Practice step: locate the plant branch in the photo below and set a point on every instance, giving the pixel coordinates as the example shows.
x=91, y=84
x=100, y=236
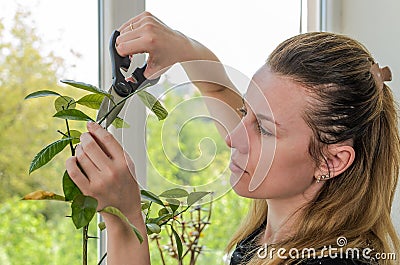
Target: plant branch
x=160, y=250
x=84, y=243
x=175, y=215
x=120, y=102
x=63, y=134
x=102, y=258
x=116, y=105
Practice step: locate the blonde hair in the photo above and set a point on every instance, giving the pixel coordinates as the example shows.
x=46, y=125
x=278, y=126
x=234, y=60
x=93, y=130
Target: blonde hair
x=346, y=105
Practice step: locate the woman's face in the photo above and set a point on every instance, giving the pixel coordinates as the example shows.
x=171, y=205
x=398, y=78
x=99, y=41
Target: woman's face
x=270, y=156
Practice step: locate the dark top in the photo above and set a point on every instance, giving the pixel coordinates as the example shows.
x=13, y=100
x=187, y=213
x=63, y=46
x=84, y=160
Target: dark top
x=246, y=249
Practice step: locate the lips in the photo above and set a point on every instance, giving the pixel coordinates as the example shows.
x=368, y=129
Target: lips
x=234, y=167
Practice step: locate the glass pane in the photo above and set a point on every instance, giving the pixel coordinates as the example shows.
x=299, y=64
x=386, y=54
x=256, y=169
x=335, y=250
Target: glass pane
x=185, y=150
x=41, y=42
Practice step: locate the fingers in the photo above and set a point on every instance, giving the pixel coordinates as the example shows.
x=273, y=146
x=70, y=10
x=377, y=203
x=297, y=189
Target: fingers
x=86, y=163
x=106, y=141
x=90, y=148
x=76, y=174
x=137, y=34
x=138, y=45
x=135, y=20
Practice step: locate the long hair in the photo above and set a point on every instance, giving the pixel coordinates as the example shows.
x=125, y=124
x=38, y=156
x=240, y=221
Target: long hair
x=345, y=104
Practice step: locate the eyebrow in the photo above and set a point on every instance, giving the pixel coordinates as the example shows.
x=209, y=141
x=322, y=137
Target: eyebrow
x=268, y=118
x=262, y=116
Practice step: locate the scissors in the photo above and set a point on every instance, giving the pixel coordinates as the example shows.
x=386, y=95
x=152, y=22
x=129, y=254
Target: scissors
x=121, y=88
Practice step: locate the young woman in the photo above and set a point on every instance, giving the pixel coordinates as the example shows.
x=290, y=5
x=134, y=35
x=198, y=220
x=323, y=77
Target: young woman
x=317, y=148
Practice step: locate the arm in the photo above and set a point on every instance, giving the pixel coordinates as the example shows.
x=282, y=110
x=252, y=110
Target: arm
x=145, y=33
x=110, y=178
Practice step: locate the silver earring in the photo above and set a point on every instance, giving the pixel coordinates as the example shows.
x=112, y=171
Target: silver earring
x=322, y=177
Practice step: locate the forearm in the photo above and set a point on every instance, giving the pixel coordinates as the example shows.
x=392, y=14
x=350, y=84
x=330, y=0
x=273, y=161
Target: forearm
x=123, y=247
x=205, y=69
x=210, y=77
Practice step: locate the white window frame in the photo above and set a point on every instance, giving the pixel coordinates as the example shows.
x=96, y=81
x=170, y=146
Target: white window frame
x=111, y=14
x=321, y=15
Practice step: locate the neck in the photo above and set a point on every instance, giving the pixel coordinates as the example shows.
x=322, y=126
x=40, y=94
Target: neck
x=281, y=217
x=283, y=214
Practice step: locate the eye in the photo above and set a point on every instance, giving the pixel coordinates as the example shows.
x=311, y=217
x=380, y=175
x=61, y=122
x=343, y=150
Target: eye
x=242, y=110
x=263, y=131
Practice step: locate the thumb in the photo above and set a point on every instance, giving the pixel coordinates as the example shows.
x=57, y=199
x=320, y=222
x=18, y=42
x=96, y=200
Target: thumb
x=151, y=68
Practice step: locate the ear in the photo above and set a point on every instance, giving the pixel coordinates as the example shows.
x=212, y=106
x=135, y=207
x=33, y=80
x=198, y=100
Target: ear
x=339, y=158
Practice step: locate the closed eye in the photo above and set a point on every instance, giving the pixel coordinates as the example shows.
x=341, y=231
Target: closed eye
x=262, y=130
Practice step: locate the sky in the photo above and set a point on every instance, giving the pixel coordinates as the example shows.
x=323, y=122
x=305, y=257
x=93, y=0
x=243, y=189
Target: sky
x=241, y=33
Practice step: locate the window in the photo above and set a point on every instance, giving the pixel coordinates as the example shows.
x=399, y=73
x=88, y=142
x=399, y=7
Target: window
x=41, y=42
x=186, y=150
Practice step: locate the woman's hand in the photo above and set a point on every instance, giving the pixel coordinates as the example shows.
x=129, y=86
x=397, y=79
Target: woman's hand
x=109, y=174
x=147, y=34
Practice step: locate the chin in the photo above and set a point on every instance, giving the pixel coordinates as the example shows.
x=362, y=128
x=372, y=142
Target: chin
x=241, y=187
x=240, y=184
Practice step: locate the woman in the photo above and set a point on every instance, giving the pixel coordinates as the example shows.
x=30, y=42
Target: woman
x=317, y=148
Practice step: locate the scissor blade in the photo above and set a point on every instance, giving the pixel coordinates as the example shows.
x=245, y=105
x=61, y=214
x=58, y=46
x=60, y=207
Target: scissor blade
x=114, y=114
x=107, y=105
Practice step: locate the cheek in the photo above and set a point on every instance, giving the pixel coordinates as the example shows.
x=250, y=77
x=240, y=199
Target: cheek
x=292, y=170
x=282, y=172
x=258, y=164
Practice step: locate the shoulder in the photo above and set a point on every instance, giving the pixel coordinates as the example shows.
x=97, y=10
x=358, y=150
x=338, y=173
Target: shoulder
x=333, y=261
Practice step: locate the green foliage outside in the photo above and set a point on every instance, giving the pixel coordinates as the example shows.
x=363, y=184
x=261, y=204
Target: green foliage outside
x=29, y=236
x=38, y=232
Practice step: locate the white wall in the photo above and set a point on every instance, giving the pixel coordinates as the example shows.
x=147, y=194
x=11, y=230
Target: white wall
x=376, y=24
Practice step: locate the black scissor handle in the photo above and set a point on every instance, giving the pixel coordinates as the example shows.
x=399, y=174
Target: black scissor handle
x=121, y=86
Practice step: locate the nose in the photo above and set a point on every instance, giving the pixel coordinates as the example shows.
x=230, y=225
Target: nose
x=238, y=138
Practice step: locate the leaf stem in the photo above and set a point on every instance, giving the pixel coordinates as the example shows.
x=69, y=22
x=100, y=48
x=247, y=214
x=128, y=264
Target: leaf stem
x=70, y=141
x=102, y=258
x=148, y=212
x=63, y=134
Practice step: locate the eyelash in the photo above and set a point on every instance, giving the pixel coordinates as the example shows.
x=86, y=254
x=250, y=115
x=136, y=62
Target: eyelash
x=260, y=129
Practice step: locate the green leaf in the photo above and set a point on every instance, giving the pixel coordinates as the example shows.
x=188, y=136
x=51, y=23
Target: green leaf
x=83, y=210
x=120, y=123
x=145, y=205
x=152, y=103
x=69, y=187
x=86, y=87
x=161, y=218
x=148, y=195
x=173, y=204
x=42, y=93
x=153, y=228
x=72, y=114
x=174, y=193
x=178, y=243
x=117, y=212
x=101, y=226
x=163, y=211
x=75, y=135
x=195, y=197
x=47, y=153
x=43, y=195
x=92, y=101
x=64, y=102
